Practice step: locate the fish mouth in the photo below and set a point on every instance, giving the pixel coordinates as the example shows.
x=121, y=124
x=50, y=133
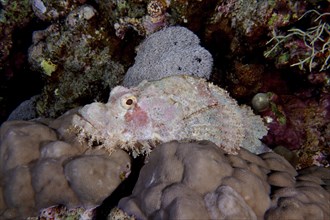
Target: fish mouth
x=84, y=120
x=86, y=131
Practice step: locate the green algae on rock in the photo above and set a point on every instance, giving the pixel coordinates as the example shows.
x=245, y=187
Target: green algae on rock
x=77, y=60
x=13, y=14
x=50, y=10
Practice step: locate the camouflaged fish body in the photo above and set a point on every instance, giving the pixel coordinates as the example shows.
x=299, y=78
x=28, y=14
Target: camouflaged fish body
x=173, y=108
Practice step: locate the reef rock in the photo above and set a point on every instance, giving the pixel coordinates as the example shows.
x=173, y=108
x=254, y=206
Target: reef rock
x=174, y=108
x=25, y=111
x=200, y=181
x=49, y=10
x=171, y=51
x=38, y=169
x=75, y=59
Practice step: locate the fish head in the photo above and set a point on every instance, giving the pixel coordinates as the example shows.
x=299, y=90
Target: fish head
x=119, y=121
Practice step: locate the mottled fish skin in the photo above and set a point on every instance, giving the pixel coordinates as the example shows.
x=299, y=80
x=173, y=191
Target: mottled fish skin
x=174, y=108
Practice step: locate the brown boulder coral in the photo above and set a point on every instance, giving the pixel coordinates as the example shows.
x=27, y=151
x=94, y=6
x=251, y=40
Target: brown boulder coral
x=200, y=181
x=39, y=169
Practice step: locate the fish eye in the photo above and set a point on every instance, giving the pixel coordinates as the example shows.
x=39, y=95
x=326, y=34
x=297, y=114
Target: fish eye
x=128, y=101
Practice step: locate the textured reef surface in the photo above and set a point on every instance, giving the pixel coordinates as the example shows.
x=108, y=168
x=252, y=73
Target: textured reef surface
x=43, y=165
x=171, y=51
x=199, y=181
x=59, y=55
x=41, y=168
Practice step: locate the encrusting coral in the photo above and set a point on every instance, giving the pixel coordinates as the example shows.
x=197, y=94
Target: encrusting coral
x=155, y=19
x=13, y=15
x=75, y=60
x=178, y=107
x=170, y=51
x=299, y=122
x=39, y=169
x=49, y=10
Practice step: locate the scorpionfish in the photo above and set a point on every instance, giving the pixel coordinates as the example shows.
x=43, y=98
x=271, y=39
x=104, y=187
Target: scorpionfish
x=179, y=108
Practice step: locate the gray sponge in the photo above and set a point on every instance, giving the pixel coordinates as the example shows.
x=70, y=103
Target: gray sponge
x=26, y=110
x=171, y=51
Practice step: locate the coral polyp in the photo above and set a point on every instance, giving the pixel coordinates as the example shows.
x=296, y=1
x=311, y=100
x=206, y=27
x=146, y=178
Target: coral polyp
x=156, y=10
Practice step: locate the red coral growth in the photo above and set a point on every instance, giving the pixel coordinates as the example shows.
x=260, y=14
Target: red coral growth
x=300, y=122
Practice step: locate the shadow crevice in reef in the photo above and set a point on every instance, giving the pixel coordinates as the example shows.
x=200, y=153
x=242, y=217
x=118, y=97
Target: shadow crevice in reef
x=123, y=190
